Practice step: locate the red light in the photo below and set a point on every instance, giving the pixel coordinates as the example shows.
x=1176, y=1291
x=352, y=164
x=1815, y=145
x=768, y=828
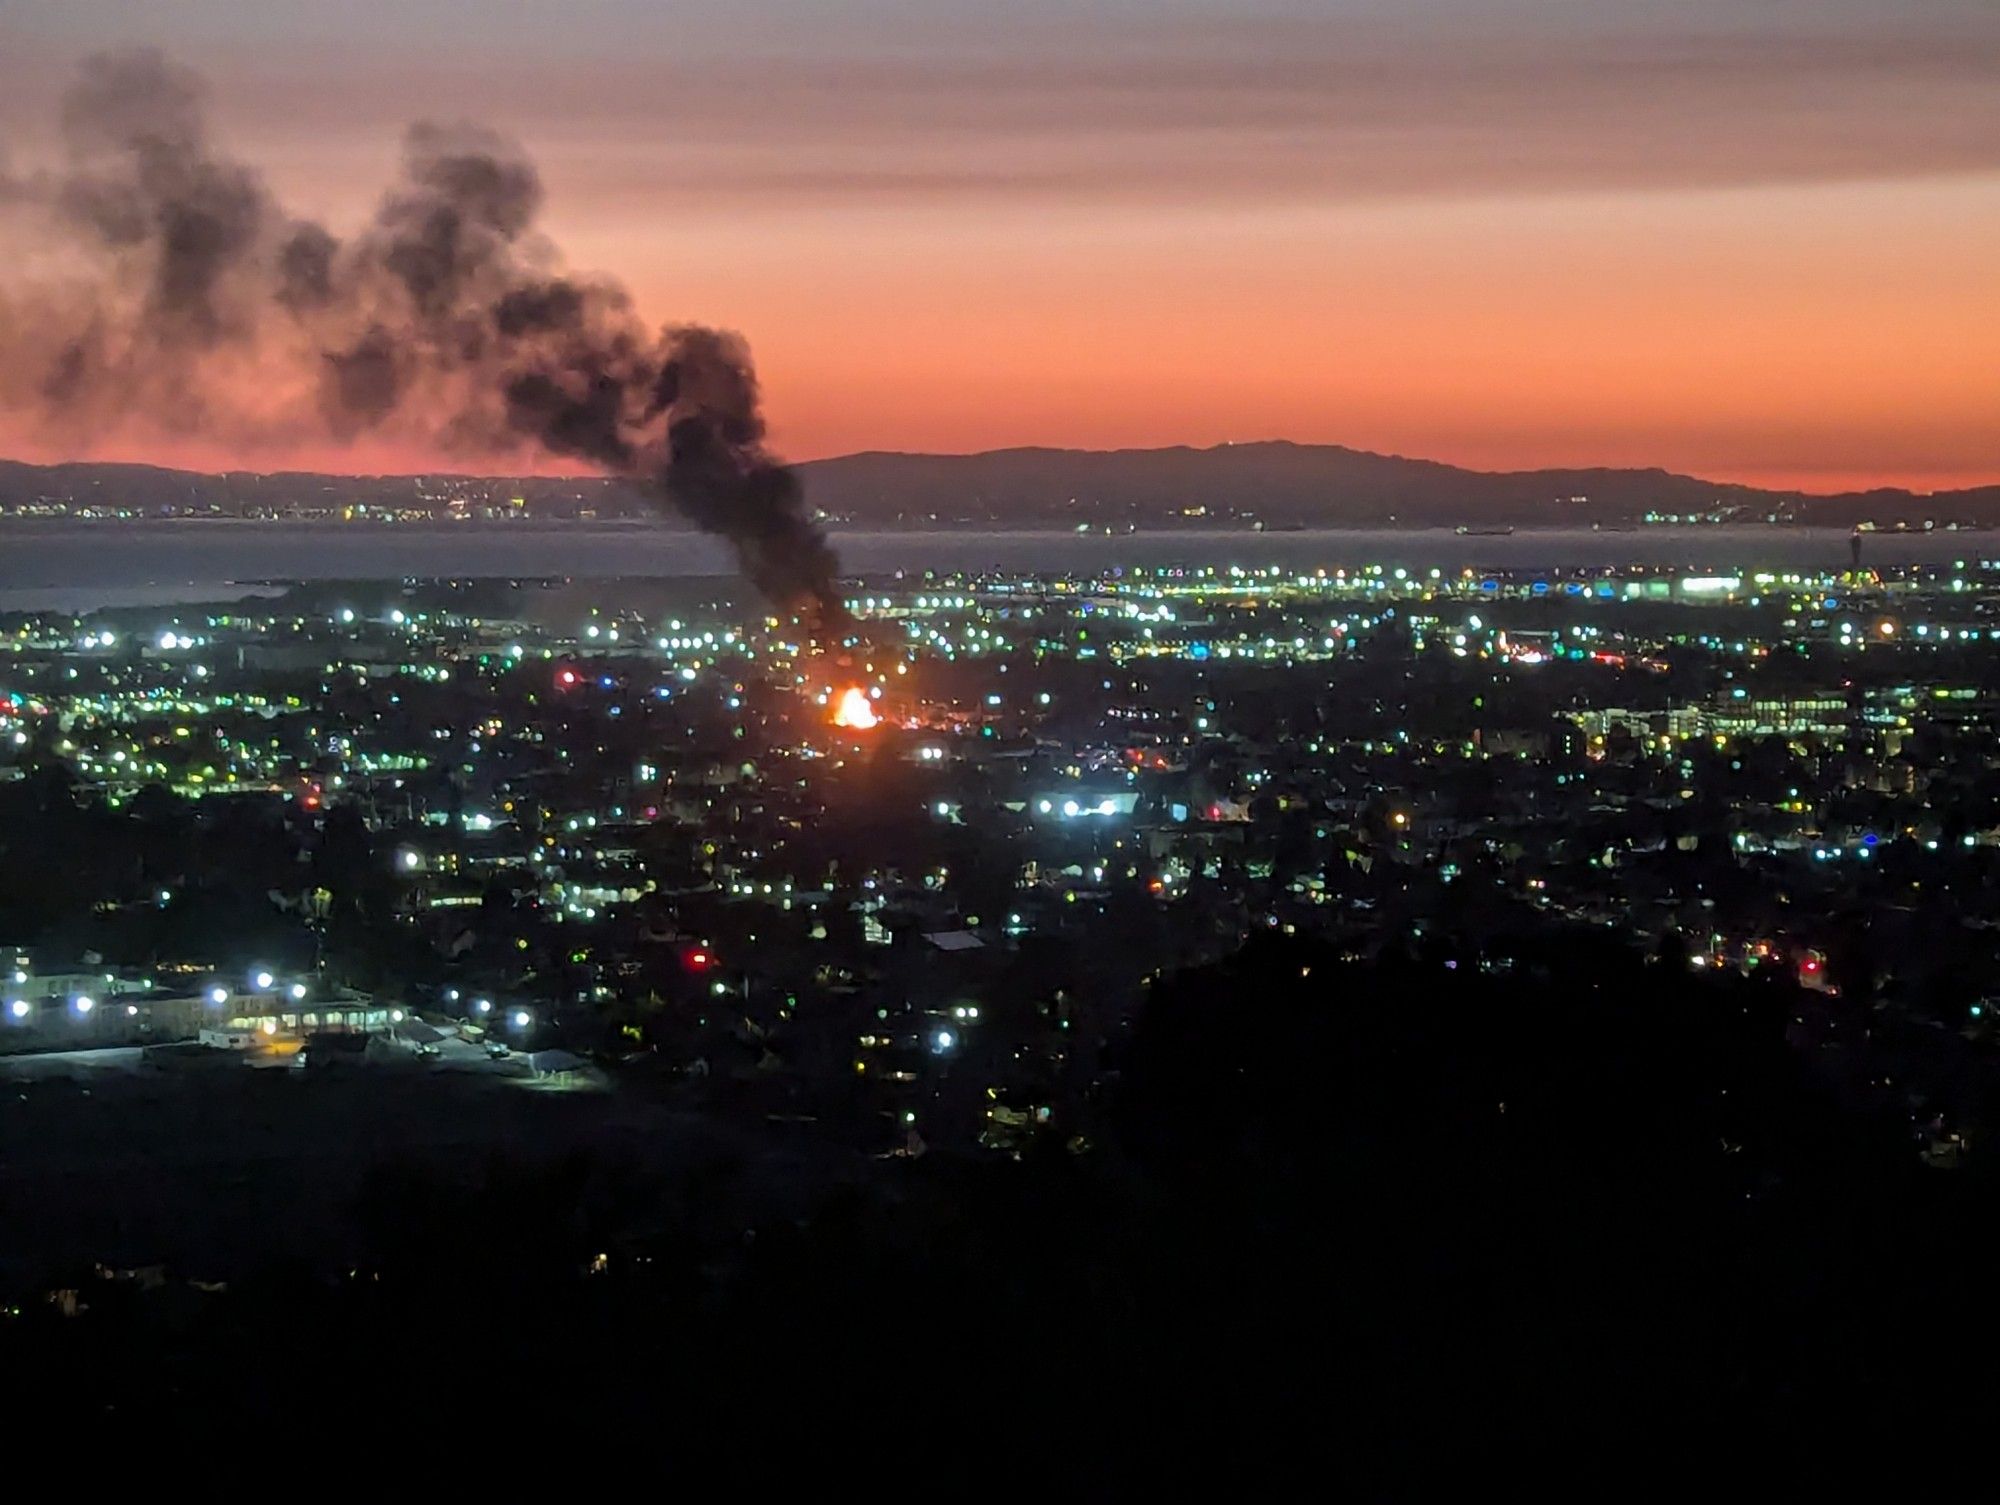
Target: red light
x=700, y=961
x=1812, y=966
x=566, y=678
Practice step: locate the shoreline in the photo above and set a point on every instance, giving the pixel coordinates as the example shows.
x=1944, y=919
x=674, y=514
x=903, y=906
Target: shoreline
x=500, y=527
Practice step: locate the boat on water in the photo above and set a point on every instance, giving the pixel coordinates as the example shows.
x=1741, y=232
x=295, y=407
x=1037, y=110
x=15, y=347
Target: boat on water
x=1465, y=532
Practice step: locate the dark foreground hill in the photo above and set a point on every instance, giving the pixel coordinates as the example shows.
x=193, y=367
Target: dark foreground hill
x=1366, y=1221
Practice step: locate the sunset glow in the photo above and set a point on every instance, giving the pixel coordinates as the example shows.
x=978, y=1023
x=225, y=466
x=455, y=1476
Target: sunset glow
x=1744, y=241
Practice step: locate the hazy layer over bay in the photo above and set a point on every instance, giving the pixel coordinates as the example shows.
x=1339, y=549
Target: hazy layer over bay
x=76, y=566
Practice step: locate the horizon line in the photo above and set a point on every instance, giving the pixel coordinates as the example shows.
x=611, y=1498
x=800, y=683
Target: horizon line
x=1774, y=489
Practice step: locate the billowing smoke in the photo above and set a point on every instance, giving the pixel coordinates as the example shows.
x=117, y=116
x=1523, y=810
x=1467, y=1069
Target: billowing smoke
x=183, y=300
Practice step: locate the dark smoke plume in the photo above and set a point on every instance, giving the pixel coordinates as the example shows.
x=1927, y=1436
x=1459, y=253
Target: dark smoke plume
x=191, y=302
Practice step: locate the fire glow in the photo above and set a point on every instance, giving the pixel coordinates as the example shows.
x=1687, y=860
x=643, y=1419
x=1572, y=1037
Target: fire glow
x=853, y=711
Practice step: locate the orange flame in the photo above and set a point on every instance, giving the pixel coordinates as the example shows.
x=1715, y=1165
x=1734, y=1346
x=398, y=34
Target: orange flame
x=853, y=710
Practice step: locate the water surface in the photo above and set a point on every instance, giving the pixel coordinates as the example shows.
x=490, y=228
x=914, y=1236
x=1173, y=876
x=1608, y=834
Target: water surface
x=77, y=566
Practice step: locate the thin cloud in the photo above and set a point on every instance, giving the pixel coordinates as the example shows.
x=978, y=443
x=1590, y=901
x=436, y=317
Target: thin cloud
x=1302, y=110
x=1180, y=103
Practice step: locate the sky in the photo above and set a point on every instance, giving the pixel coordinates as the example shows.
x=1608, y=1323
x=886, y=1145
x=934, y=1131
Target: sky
x=1748, y=239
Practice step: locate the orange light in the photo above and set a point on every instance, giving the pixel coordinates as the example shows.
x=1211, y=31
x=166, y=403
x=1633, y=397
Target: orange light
x=853, y=710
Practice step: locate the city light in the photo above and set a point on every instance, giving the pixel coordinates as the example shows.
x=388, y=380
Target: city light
x=1116, y=790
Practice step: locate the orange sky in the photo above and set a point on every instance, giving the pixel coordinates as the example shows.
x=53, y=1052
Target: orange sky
x=1760, y=254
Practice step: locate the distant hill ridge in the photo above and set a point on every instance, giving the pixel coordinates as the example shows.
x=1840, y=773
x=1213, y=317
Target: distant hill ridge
x=1275, y=482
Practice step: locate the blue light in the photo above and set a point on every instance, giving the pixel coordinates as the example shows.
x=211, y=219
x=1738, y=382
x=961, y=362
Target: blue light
x=1197, y=650
x=1539, y=588
x=1871, y=839
x=1491, y=587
